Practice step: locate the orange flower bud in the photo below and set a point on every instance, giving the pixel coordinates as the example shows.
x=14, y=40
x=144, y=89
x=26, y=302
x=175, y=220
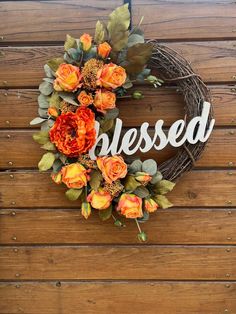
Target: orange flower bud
x=86, y=210
x=57, y=177
x=130, y=205
x=150, y=205
x=104, y=50
x=86, y=41
x=100, y=199
x=143, y=177
x=52, y=111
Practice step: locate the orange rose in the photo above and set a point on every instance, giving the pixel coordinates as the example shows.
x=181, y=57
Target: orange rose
x=74, y=176
x=130, y=205
x=85, y=99
x=100, y=199
x=143, y=177
x=86, y=41
x=112, y=168
x=111, y=76
x=150, y=205
x=52, y=111
x=68, y=78
x=74, y=133
x=104, y=50
x=104, y=100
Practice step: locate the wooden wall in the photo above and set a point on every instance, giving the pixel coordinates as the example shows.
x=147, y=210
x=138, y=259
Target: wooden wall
x=51, y=260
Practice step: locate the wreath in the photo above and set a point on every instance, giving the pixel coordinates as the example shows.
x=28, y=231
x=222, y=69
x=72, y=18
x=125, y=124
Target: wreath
x=77, y=103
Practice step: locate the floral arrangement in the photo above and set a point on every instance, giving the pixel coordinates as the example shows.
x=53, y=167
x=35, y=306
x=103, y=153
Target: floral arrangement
x=82, y=88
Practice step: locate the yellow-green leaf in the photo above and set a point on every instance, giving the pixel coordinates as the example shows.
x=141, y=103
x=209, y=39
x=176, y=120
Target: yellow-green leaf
x=105, y=214
x=162, y=201
x=95, y=179
x=163, y=187
x=100, y=33
x=138, y=56
x=131, y=183
x=54, y=63
x=55, y=100
x=49, y=146
x=41, y=137
x=73, y=194
x=118, y=27
x=46, y=161
x=70, y=42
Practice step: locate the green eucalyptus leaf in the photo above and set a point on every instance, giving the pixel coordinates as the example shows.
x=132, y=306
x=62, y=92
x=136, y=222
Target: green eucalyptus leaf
x=37, y=120
x=49, y=80
x=112, y=114
x=162, y=201
x=149, y=166
x=41, y=137
x=141, y=191
x=46, y=88
x=57, y=165
x=43, y=101
x=118, y=24
x=70, y=42
x=95, y=179
x=135, y=166
x=46, y=161
x=135, y=39
x=105, y=214
x=163, y=187
x=156, y=178
x=74, y=54
x=69, y=98
x=73, y=194
x=106, y=125
x=144, y=218
x=48, y=71
x=43, y=113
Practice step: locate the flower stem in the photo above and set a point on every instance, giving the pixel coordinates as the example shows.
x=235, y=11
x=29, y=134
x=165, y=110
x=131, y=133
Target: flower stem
x=137, y=223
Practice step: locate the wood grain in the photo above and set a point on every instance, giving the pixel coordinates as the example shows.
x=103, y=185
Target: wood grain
x=23, y=67
x=220, y=151
x=118, y=263
x=32, y=21
x=180, y=19
x=18, y=107
x=169, y=226
x=118, y=297
x=195, y=189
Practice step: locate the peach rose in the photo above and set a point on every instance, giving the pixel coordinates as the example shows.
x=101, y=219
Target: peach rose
x=104, y=50
x=111, y=76
x=112, y=168
x=100, y=199
x=130, y=205
x=150, y=205
x=85, y=99
x=56, y=177
x=86, y=41
x=68, y=78
x=74, y=176
x=104, y=100
x=143, y=177
x=52, y=111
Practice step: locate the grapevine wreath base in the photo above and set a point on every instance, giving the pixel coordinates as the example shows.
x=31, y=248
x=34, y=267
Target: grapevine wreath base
x=78, y=110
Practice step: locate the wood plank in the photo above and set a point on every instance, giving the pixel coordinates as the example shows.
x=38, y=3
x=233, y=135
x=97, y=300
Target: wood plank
x=18, y=107
x=32, y=21
x=118, y=262
x=118, y=297
x=169, y=226
x=22, y=66
x=180, y=19
x=194, y=189
x=220, y=150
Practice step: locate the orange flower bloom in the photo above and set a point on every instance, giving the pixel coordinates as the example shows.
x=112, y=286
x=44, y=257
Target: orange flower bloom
x=68, y=78
x=111, y=76
x=85, y=99
x=74, y=176
x=143, y=177
x=130, y=205
x=74, y=133
x=100, y=199
x=104, y=99
x=104, y=50
x=150, y=205
x=86, y=41
x=112, y=168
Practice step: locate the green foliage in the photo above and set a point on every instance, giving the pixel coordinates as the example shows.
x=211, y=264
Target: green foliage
x=112, y=114
x=142, y=236
x=73, y=194
x=48, y=71
x=95, y=179
x=141, y=191
x=45, y=88
x=49, y=146
x=135, y=39
x=149, y=166
x=36, y=121
x=131, y=183
x=41, y=137
x=100, y=33
x=162, y=201
x=69, y=98
x=46, y=161
x=137, y=57
x=156, y=178
x=163, y=187
x=69, y=43
x=117, y=26
x=43, y=101
x=54, y=63
x=135, y=166
x=106, y=125
x=105, y=214
x=54, y=100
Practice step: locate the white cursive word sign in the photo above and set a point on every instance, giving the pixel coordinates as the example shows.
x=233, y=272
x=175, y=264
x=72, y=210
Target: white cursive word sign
x=132, y=140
